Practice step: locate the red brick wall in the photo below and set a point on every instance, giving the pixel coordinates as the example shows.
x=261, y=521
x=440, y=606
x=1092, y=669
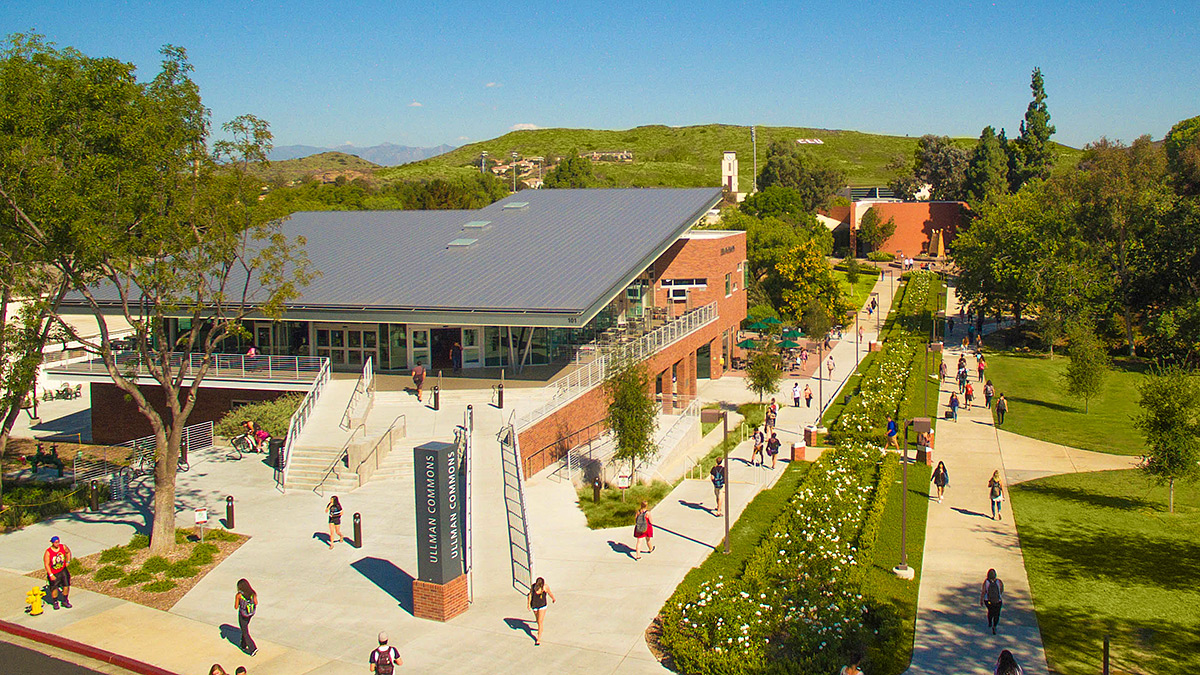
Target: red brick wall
x=440, y=602
x=915, y=221
x=116, y=420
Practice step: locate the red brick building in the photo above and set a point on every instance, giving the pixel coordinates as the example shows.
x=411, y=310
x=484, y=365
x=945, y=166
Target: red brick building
x=922, y=228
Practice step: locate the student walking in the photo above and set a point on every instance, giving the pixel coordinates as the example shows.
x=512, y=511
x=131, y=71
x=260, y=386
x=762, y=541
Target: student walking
x=55, y=561
x=246, y=603
x=991, y=596
x=1007, y=665
x=334, y=510
x=829, y=365
x=537, y=602
x=962, y=379
x=989, y=392
x=808, y=396
x=385, y=658
x=717, y=476
x=941, y=478
x=643, y=528
x=954, y=406
x=893, y=433
x=796, y=394
x=773, y=448
x=996, y=492
x=968, y=396
x=981, y=366
x=942, y=372
x=1001, y=408
x=759, y=440
x=418, y=378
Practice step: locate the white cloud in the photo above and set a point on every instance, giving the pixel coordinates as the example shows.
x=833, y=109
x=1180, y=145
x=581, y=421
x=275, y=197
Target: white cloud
x=489, y=85
x=464, y=138
x=523, y=126
x=415, y=104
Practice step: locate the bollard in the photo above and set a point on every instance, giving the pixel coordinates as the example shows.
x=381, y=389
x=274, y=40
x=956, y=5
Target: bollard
x=357, y=531
x=470, y=418
x=596, y=489
x=229, y=512
x=500, y=396
x=437, y=398
x=93, y=496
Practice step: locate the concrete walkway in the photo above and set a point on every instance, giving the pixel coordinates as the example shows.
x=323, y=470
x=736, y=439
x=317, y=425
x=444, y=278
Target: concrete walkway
x=962, y=542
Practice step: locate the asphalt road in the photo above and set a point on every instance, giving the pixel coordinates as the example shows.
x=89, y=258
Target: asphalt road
x=18, y=660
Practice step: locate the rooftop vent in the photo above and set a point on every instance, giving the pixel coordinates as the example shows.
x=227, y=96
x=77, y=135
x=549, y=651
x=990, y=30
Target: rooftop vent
x=516, y=205
x=461, y=242
x=476, y=224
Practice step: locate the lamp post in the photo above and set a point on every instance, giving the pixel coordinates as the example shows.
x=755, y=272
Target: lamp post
x=856, y=340
x=514, y=168
x=878, y=311
x=483, y=161
x=820, y=382
x=902, y=570
x=725, y=463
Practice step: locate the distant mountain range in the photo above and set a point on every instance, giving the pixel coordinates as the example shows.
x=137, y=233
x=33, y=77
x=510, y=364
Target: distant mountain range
x=385, y=154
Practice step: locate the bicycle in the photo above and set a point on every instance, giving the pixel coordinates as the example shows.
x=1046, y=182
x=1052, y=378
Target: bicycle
x=240, y=446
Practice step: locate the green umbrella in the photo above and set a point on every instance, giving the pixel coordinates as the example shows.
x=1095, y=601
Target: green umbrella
x=770, y=320
x=792, y=333
x=747, y=344
x=758, y=326
x=788, y=344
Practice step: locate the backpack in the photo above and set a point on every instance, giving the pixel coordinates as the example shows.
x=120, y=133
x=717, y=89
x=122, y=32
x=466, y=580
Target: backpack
x=384, y=663
x=639, y=523
x=993, y=591
x=718, y=479
x=249, y=605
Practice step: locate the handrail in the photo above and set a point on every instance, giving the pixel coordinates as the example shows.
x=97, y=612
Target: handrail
x=387, y=435
x=364, y=387
x=265, y=367
x=575, y=383
x=342, y=457
x=297, y=421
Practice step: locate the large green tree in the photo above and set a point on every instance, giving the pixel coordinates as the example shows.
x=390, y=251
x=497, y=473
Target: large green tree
x=1170, y=422
x=987, y=172
x=572, y=171
x=1088, y=364
x=1183, y=155
x=809, y=277
x=114, y=180
x=942, y=164
x=632, y=414
x=873, y=230
x=815, y=179
x=1031, y=154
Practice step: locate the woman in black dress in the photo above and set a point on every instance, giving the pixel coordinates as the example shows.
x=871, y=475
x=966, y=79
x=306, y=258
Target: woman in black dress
x=334, y=509
x=941, y=478
x=537, y=602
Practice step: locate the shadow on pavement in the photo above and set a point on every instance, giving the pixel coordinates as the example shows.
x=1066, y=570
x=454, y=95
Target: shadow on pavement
x=232, y=634
x=522, y=624
x=389, y=578
x=619, y=547
x=695, y=505
x=969, y=512
x=684, y=536
x=323, y=537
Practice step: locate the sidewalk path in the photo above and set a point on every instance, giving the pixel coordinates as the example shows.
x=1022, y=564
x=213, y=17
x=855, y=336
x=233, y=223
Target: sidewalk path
x=962, y=542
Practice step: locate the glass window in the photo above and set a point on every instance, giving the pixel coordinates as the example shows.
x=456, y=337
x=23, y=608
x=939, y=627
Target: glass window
x=322, y=338
x=368, y=339
x=355, y=338
x=337, y=338
x=398, y=352
x=745, y=274
x=728, y=284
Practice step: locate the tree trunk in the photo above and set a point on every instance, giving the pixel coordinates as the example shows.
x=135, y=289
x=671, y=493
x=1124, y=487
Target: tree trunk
x=5, y=430
x=162, y=531
x=1171, y=495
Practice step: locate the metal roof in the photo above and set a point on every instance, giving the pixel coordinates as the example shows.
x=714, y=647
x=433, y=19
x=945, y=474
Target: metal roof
x=566, y=251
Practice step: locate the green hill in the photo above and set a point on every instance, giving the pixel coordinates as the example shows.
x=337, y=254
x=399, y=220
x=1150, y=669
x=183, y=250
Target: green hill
x=681, y=156
x=325, y=162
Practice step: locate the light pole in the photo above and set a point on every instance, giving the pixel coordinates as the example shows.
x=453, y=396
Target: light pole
x=902, y=570
x=878, y=311
x=856, y=340
x=514, y=167
x=725, y=446
x=483, y=162
x=820, y=382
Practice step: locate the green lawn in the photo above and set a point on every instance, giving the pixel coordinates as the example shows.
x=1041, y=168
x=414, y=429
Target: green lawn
x=1105, y=558
x=882, y=584
x=1039, y=407
x=859, y=292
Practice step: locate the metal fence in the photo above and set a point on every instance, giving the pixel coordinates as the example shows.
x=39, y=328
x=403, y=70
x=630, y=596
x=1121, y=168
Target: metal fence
x=240, y=366
x=363, y=397
x=118, y=462
x=575, y=383
x=296, y=423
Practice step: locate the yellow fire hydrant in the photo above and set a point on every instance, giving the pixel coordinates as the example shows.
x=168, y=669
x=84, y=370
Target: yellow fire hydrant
x=34, y=598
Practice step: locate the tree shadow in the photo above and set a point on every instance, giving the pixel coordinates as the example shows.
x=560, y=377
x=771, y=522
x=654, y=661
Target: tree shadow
x=522, y=625
x=1118, y=556
x=1080, y=496
x=389, y=578
x=1044, y=404
x=1156, y=645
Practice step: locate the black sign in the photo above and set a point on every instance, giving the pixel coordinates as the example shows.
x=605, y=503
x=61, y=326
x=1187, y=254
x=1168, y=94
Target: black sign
x=439, y=513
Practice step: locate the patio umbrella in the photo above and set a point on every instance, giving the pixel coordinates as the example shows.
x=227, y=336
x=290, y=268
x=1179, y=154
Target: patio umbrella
x=788, y=344
x=758, y=326
x=747, y=344
x=771, y=321
x=792, y=333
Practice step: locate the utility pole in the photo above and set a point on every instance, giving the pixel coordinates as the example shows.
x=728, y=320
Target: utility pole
x=725, y=445
x=754, y=140
x=514, y=168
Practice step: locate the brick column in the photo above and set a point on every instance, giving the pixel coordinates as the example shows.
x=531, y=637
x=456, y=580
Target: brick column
x=714, y=357
x=668, y=391
x=692, y=361
x=440, y=602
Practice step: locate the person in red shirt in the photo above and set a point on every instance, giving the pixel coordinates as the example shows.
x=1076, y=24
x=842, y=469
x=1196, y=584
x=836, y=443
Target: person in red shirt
x=55, y=560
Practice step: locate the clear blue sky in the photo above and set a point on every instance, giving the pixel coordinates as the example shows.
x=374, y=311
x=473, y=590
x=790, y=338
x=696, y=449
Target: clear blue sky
x=324, y=73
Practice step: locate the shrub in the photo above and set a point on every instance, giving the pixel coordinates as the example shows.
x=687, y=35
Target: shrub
x=270, y=415
x=203, y=554
x=108, y=573
x=160, y=586
x=29, y=504
x=135, y=577
x=880, y=256
x=182, y=569
x=76, y=567
x=156, y=564
x=118, y=555
x=220, y=535
x=138, y=542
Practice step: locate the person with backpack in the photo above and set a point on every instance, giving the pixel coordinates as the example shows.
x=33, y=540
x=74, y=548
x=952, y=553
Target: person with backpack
x=643, y=528
x=991, y=596
x=989, y=392
x=968, y=396
x=996, y=492
x=759, y=440
x=385, y=658
x=717, y=476
x=537, y=602
x=773, y=448
x=941, y=478
x=1001, y=408
x=246, y=603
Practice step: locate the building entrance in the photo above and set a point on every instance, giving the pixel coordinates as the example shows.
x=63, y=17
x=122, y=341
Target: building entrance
x=348, y=345
x=441, y=340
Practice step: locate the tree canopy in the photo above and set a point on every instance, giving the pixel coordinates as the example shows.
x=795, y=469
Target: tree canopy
x=1031, y=154
x=814, y=179
x=873, y=230
x=987, y=171
x=572, y=172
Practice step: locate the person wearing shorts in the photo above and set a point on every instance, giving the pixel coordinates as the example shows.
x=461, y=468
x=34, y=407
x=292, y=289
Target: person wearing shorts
x=773, y=448
x=717, y=476
x=334, y=509
x=55, y=560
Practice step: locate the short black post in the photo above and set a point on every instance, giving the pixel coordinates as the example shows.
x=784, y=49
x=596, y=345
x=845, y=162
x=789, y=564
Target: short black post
x=500, y=396
x=93, y=496
x=1106, y=646
x=183, y=451
x=229, y=512
x=437, y=398
x=357, y=531
x=596, y=489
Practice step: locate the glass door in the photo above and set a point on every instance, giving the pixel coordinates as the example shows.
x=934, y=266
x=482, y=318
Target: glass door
x=472, y=356
x=348, y=345
x=419, y=340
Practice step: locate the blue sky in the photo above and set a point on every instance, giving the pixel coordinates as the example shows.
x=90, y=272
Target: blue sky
x=324, y=73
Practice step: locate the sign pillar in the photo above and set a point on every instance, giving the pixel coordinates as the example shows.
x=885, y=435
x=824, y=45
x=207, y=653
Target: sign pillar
x=440, y=589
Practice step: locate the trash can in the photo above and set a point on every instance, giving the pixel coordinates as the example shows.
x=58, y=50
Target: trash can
x=798, y=451
x=275, y=453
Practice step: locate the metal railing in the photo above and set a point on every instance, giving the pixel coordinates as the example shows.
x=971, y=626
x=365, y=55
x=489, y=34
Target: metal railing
x=520, y=540
x=136, y=453
x=369, y=464
x=572, y=385
x=343, y=458
x=296, y=423
x=685, y=430
x=221, y=366
x=365, y=387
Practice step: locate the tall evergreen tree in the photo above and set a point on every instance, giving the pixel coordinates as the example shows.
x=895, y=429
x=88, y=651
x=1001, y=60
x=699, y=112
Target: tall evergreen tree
x=987, y=173
x=1031, y=153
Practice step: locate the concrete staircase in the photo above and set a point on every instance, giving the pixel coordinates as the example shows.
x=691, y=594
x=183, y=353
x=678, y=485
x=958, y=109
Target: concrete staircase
x=322, y=442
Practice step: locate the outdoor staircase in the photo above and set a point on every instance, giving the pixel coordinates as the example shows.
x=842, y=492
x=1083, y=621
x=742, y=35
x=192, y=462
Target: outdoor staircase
x=322, y=441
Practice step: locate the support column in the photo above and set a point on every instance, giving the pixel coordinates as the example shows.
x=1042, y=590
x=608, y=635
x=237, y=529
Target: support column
x=692, y=374
x=668, y=391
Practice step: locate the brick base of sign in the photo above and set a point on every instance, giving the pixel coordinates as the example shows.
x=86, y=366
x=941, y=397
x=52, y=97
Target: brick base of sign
x=440, y=602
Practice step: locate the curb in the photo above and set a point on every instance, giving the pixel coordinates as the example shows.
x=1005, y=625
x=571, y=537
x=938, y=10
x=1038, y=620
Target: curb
x=82, y=649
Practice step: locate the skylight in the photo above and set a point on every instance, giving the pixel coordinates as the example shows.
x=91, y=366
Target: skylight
x=516, y=205
x=461, y=242
x=476, y=224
